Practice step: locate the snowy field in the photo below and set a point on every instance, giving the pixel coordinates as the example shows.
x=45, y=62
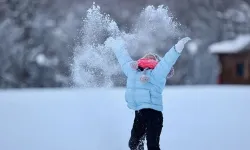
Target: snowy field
x=195, y=118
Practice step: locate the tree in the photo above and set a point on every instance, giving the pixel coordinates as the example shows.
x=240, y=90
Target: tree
x=35, y=45
x=208, y=21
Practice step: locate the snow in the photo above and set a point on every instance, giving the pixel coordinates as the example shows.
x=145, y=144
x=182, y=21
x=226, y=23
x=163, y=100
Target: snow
x=231, y=46
x=192, y=47
x=151, y=28
x=195, y=118
x=42, y=60
x=236, y=15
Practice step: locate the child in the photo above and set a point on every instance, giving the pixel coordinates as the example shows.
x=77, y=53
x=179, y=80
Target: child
x=146, y=79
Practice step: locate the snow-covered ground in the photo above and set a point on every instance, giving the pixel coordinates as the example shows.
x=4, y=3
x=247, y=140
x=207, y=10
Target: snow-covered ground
x=195, y=118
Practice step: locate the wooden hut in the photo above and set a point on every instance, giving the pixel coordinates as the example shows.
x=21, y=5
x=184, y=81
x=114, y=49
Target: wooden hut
x=234, y=57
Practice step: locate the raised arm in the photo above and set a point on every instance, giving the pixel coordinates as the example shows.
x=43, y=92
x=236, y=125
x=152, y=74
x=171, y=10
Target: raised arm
x=123, y=57
x=164, y=66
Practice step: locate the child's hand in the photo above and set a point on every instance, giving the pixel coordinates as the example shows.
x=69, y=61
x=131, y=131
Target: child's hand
x=180, y=45
x=109, y=42
x=114, y=43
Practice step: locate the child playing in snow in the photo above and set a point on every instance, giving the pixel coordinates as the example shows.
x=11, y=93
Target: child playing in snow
x=146, y=79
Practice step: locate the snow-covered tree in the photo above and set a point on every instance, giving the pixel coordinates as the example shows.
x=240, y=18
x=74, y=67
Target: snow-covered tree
x=37, y=37
x=207, y=21
x=36, y=42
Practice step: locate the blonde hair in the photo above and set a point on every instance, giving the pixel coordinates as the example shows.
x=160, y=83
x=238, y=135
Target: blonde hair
x=152, y=55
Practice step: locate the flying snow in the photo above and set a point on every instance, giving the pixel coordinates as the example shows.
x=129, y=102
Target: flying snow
x=94, y=64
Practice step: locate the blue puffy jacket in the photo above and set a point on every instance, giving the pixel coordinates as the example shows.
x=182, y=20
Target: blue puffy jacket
x=148, y=94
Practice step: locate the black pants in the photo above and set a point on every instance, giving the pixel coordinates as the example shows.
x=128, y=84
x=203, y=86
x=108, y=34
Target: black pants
x=147, y=124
